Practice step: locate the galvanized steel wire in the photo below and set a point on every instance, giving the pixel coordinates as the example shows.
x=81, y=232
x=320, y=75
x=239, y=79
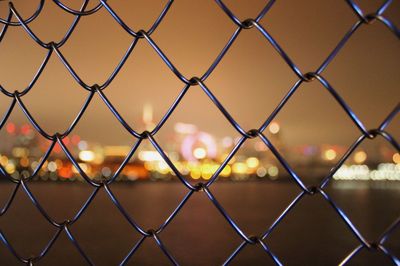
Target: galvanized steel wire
x=260, y=239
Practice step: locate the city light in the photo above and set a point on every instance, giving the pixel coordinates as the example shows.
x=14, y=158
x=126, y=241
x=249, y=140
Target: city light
x=24, y=162
x=396, y=158
x=26, y=129
x=3, y=160
x=86, y=156
x=261, y=172
x=207, y=170
x=384, y=171
x=163, y=167
x=11, y=128
x=34, y=165
x=85, y=168
x=20, y=152
x=330, y=154
x=239, y=168
x=360, y=157
x=199, y=153
x=52, y=166
x=195, y=173
x=252, y=162
x=191, y=141
x=226, y=171
x=274, y=128
x=194, y=154
x=149, y=156
x=273, y=171
x=10, y=167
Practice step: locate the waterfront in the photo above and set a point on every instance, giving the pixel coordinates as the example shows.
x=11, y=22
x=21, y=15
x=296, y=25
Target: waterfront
x=312, y=234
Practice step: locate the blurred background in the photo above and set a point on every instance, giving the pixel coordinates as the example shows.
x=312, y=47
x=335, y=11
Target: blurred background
x=312, y=131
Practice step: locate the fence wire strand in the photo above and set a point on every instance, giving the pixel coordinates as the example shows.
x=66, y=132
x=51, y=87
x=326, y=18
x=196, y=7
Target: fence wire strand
x=53, y=49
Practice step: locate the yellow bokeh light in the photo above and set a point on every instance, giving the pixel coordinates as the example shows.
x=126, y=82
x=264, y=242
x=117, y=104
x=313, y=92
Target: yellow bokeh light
x=252, y=162
x=226, y=171
x=207, y=170
x=85, y=168
x=206, y=175
x=20, y=152
x=396, y=158
x=163, y=168
x=149, y=166
x=274, y=128
x=239, y=168
x=3, y=160
x=86, y=156
x=195, y=173
x=10, y=168
x=330, y=154
x=273, y=171
x=360, y=157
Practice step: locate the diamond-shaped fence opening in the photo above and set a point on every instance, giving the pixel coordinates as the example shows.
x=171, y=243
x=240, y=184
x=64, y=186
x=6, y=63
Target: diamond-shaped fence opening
x=64, y=143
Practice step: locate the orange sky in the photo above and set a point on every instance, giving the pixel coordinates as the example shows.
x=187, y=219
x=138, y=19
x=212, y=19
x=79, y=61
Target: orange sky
x=250, y=81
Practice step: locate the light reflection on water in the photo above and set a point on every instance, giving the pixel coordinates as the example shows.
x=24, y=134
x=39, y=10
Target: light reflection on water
x=357, y=185
x=312, y=234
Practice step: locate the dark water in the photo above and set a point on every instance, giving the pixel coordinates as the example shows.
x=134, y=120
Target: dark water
x=312, y=234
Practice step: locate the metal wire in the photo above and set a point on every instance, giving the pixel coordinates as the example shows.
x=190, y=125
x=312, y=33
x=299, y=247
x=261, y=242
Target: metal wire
x=53, y=47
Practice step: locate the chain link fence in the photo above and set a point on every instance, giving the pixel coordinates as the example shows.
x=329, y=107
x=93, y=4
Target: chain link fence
x=14, y=19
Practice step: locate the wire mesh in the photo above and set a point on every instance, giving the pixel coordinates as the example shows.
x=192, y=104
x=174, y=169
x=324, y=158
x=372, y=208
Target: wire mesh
x=53, y=49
